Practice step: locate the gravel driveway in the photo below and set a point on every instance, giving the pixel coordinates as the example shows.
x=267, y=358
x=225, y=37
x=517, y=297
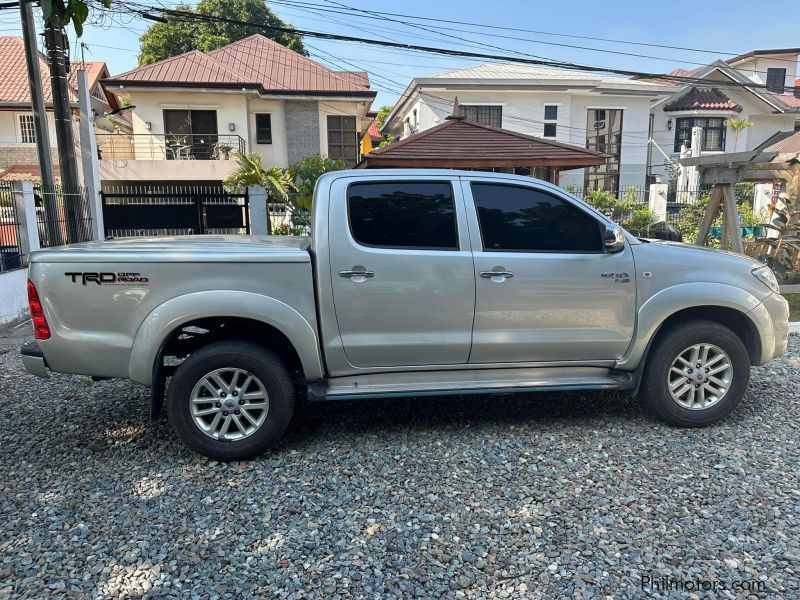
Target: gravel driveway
x=555, y=495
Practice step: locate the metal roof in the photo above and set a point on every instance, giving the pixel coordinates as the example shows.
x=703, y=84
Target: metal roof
x=702, y=99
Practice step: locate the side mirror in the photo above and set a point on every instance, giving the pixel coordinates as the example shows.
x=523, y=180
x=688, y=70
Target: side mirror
x=613, y=238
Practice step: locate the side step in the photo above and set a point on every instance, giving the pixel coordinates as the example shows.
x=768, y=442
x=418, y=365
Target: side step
x=473, y=381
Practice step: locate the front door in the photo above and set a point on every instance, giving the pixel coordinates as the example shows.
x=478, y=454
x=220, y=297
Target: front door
x=546, y=290
x=401, y=272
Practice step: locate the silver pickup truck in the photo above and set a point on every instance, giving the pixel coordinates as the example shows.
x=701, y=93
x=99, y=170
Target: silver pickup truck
x=413, y=283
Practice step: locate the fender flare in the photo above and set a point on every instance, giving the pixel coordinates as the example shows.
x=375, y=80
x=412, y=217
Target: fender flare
x=669, y=301
x=163, y=320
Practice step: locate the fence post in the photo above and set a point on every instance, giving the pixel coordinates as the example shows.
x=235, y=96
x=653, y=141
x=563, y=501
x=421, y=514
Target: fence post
x=25, y=207
x=259, y=212
x=658, y=200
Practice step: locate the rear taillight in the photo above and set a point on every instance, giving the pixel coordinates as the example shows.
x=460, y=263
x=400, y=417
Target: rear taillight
x=41, y=330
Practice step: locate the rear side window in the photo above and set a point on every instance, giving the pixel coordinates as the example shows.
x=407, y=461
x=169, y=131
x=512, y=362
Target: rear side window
x=403, y=214
x=521, y=219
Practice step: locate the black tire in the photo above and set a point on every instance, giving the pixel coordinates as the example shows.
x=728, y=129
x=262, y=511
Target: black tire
x=258, y=361
x=655, y=389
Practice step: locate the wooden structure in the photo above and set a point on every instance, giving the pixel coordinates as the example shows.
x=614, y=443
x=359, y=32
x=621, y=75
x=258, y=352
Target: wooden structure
x=461, y=144
x=776, y=160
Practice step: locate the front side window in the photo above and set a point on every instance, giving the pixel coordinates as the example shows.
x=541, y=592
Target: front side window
x=398, y=214
x=712, y=138
x=343, y=139
x=487, y=115
x=27, y=129
x=521, y=219
x=263, y=128
x=776, y=80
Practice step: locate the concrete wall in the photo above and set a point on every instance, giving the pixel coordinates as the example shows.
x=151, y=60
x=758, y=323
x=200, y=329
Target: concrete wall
x=13, y=296
x=523, y=111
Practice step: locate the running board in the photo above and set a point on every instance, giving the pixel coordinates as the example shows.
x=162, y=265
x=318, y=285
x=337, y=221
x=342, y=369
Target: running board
x=472, y=381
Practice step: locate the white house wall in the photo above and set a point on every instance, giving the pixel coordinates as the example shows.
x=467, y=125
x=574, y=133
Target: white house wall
x=275, y=154
x=523, y=111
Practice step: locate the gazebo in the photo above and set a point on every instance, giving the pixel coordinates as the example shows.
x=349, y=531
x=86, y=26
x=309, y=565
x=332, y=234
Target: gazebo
x=461, y=144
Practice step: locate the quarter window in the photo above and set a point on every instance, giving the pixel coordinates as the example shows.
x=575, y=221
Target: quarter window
x=343, y=139
x=487, y=115
x=27, y=129
x=412, y=215
x=263, y=128
x=521, y=219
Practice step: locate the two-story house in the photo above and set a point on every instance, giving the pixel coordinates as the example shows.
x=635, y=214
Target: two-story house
x=18, y=156
x=194, y=110
x=603, y=113
x=756, y=86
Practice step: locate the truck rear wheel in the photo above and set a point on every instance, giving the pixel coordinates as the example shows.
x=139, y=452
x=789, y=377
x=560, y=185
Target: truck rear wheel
x=231, y=400
x=696, y=374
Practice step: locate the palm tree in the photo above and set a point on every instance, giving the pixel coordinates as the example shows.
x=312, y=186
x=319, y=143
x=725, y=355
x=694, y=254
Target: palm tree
x=250, y=171
x=738, y=126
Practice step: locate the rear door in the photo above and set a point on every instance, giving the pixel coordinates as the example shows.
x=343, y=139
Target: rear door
x=546, y=289
x=401, y=271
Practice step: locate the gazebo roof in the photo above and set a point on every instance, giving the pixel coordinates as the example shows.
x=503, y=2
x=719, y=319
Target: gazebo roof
x=461, y=144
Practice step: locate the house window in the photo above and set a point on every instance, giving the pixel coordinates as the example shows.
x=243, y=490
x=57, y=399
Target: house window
x=263, y=128
x=550, y=120
x=343, y=139
x=487, y=115
x=604, y=134
x=713, y=136
x=776, y=80
x=190, y=134
x=27, y=129
x=403, y=214
x=797, y=125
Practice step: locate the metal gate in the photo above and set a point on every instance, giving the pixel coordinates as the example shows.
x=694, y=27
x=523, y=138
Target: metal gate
x=153, y=210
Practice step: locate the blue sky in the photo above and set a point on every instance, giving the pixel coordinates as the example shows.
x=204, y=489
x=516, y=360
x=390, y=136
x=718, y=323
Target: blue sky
x=734, y=27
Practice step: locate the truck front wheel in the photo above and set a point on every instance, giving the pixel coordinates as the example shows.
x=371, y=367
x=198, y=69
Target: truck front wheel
x=696, y=374
x=231, y=400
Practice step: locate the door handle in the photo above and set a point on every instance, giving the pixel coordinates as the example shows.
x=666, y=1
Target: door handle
x=497, y=276
x=356, y=275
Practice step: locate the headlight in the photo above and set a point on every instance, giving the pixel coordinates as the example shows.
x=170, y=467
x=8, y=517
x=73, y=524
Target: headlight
x=767, y=277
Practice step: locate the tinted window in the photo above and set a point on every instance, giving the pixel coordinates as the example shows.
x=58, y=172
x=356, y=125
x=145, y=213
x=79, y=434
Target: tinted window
x=263, y=128
x=403, y=215
x=521, y=219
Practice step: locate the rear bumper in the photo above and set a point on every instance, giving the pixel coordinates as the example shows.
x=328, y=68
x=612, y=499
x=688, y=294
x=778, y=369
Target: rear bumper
x=33, y=360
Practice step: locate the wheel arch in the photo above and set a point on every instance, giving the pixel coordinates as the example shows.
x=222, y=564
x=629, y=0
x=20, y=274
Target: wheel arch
x=254, y=317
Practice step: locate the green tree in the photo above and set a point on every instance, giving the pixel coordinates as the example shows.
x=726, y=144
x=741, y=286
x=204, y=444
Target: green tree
x=250, y=171
x=383, y=114
x=177, y=35
x=738, y=126
x=61, y=14
x=304, y=174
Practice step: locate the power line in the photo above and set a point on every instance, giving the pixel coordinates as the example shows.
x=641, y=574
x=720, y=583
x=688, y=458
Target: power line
x=184, y=15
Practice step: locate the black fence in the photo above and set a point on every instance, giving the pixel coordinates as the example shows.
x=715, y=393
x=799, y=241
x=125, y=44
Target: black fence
x=10, y=250
x=63, y=214
x=153, y=210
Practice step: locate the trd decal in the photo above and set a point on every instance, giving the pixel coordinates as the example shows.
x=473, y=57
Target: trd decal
x=108, y=278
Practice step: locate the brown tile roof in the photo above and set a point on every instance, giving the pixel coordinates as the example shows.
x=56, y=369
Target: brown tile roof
x=25, y=173
x=783, y=142
x=702, y=99
x=254, y=61
x=459, y=143
x=14, y=87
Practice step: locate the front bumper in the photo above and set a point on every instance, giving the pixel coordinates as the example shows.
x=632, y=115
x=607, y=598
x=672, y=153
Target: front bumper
x=772, y=321
x=33, y=360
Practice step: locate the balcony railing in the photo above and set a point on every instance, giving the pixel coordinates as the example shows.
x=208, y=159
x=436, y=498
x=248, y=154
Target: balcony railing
x=120, y=146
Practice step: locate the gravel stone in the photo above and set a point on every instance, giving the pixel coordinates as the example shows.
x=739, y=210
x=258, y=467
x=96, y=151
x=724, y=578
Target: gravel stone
x=574, y=495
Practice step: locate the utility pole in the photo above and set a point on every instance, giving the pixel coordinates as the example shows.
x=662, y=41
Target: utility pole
x=40, y=122
x=57, y=52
